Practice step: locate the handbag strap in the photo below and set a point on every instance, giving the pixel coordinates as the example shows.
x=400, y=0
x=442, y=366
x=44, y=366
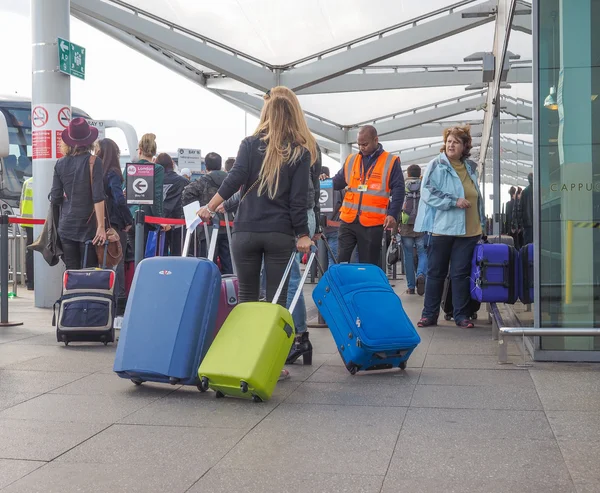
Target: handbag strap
x=252, y=187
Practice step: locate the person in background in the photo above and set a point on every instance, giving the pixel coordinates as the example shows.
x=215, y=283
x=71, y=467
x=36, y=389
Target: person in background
x=203, y=190
x=26, y=209
x=373, y=199
x=229, y=164
x=525, y=212
x=273, y=167
x=510, y=212
x=81, y=212
x=119, y=215
x=146, y=154
x=330, y=231
x=302, y=345
x=517, y=220
x=186, y=173
x=451, y=208
x=173, y=186
x=411, y=238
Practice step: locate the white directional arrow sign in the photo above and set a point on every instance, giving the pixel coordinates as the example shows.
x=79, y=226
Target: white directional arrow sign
x=140, y=185
x=64, y=46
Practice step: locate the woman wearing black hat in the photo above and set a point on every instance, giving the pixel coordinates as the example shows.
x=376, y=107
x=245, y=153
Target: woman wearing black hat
x=73, y=181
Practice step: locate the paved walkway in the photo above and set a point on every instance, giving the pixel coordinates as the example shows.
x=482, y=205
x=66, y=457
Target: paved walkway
x=455, y=421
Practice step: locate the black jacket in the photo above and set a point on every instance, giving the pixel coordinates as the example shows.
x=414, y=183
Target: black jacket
x=286, y=212
x=525, y=208
x=173, y=186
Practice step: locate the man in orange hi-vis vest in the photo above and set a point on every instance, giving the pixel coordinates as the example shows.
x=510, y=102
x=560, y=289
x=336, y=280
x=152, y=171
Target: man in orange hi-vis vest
x=373, y=200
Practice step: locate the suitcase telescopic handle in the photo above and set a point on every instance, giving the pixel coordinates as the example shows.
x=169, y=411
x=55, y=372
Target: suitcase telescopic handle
x=313, y=252
x=85, y=254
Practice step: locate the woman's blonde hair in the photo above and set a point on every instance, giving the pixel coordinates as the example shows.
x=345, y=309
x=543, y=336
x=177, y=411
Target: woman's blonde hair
x=464, y=135
x=147, y=145
x=283, y=129
x=68, y=150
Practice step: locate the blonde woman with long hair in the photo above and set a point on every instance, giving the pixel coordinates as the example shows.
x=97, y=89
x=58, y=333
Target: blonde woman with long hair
x=272, y=168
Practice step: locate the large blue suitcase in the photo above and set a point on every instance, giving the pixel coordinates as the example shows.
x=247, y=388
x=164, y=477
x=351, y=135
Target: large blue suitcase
x=169, y=320
x=526, y=274
x=494, y=273
x=366, y=318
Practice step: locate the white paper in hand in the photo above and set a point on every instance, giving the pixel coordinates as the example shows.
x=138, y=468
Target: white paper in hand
x=191, y=218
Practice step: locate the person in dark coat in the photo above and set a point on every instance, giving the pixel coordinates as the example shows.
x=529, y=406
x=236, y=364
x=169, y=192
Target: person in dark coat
x=173, y=185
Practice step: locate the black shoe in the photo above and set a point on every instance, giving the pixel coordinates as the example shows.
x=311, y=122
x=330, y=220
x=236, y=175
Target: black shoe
x=421, y=285
x=301, y=347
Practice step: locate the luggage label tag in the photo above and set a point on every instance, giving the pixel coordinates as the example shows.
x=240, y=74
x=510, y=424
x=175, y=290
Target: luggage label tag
x=362, y=187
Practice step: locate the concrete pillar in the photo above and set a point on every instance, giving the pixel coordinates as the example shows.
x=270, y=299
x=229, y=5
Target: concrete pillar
x=345, y=151
x=496, y=172
x=51, y=92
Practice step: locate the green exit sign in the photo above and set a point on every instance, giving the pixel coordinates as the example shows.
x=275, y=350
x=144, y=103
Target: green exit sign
x=71, y=58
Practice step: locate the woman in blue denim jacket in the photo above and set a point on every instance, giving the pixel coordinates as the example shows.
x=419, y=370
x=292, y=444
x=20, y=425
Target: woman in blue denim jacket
x=451, y=209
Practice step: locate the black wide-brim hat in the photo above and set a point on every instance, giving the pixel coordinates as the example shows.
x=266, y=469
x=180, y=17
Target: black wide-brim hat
x=79, y=133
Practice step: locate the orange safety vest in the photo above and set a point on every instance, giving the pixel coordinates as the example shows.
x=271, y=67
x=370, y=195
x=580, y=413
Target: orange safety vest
x=368, y=196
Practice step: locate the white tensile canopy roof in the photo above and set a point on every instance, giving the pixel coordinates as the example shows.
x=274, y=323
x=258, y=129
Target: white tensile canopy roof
x=410, y=68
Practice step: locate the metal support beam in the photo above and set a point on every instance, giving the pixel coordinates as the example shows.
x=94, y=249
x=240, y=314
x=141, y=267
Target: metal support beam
x=316, y=125
x=504, y=18
x=180, y=41
x=396, y=78
x=520, y=108
x=496, y=173
x=423, y=114
x=516, y=147
x=360, y=53
x=165, y=58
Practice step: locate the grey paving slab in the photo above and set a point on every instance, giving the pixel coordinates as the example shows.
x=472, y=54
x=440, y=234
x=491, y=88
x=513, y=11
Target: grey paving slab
x=473, y=457
x=355, y=393
x=333, y=439
x=38, y=339
x=476, y=397
x=38, y=440
x=339, y=374
x=471, y=485
x=470, y=346
x=466, y=361
x=575, y=425
x=482, y=423
x=434, y=376
x=277, y=481
x=14, y=334
x=104, y=384
x=180, y=448
x=35, y=381
x=13, y=470
x=10, y=399
x=95, y=478
x=77, y=408
x=82, y=358
x=582, y=459
x=188, y=408
x=568, y=390
x=13, y=354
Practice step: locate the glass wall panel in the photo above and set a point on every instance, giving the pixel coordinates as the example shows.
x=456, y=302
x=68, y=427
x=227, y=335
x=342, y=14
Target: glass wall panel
x=569, y=158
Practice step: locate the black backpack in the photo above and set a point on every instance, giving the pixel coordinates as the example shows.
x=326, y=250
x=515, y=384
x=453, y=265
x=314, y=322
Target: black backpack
x=410, y=207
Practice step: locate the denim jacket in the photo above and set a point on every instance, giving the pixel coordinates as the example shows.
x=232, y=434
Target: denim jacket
x=440, y=190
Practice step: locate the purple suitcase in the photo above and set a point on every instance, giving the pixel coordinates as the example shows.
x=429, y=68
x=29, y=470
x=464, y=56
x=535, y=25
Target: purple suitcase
x=494, y=274
x=229, y=285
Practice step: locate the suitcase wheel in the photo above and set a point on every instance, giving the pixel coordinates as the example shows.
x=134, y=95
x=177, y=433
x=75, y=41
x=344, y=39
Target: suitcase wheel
x=256, y=399
x=203, y=387
x=244, y=387
x=64, y=339
x=474, y=316
x=136, y=381
x=352, y=370
x=447, y=317
x=402, y=365
x=219, y=394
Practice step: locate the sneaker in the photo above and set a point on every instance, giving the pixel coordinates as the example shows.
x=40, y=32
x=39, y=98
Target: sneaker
x=426, y=322
x=421, y=285
x=466, y=324
x=284, y=375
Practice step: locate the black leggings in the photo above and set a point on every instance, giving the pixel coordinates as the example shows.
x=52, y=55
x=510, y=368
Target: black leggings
x=74, y=253
x=248, y=250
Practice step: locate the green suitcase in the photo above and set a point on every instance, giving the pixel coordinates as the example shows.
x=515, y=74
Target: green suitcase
x=247, y=356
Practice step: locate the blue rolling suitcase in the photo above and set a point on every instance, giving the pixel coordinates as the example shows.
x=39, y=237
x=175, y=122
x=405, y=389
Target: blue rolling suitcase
x=366, y=318
x=169, y=320
x=526, y=274
x=494, y=273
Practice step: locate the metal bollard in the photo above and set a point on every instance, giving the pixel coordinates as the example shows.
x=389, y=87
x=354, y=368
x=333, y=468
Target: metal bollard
x=4, y=274
x=140, y=218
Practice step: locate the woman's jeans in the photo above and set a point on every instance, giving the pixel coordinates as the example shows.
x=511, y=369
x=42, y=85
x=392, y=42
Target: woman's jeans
x=248, y=251
x=408, y=243
x=458, y=252
x=299, y=314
